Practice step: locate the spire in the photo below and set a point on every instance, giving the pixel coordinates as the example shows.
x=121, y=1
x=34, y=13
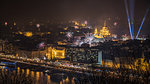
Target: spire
x=95, y=32
x=105, y=31
x=105, y=23
x=14, y=23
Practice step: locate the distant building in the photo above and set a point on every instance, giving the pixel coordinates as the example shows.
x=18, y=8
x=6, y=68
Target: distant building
x=31, y=54
x=56, y=53
x=49, y=52
x=78, y=54
x=104, y=32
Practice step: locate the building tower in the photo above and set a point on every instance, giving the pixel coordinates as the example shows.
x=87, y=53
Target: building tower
x=97, y=35
x=105, y=31
x=95, y=31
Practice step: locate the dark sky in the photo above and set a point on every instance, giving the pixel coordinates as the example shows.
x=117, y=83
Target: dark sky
x=66, y=8
x=95, y=11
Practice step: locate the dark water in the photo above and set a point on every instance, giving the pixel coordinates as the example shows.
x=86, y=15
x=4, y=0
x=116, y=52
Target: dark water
x=39, y=77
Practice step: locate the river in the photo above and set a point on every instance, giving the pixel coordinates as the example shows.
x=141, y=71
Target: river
x=40, y=77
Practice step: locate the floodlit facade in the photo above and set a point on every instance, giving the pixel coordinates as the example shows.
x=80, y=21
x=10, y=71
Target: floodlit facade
x=104, y=32
x=55, y=53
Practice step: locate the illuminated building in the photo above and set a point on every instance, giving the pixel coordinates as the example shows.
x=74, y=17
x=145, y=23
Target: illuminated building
x=58, y=53
x=55, y=53
x=114, y=35
x=85, y=55
x=125, y=37
x=48, y=32
x=96, y=34
x=142, y=64
x=104, y=32
x=48, y=52
x=28, y=34
x=65, y=28
x=76, y=23
x=20, y=32
x=83, y=25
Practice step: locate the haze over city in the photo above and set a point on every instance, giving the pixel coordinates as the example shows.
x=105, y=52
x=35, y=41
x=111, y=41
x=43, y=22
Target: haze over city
x=75, y=42
x=63, y=10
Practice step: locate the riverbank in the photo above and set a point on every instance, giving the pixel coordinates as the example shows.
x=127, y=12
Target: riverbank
x=79, y=72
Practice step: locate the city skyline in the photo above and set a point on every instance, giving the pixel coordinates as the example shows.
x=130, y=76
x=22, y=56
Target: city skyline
x=75, y=42
x=95, y=12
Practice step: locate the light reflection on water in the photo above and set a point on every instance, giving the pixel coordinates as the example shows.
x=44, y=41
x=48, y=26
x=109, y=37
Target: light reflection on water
x=40, y=77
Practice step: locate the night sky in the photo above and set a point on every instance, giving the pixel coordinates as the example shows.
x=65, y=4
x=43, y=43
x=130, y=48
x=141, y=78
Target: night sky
x=95, y=11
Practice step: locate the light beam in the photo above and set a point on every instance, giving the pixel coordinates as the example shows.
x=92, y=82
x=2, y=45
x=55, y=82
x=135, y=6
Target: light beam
x=132, y=16
x=126, y=6
x=142, y=23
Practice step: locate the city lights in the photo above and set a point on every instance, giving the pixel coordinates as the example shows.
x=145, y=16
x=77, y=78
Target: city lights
x=142, y=23
x=28, y=34
x=104, y=32
x=6, y=23
x=37, y=25
x=69, y=42
x=15, y=23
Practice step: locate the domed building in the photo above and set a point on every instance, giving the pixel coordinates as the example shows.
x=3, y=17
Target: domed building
x=104, y=32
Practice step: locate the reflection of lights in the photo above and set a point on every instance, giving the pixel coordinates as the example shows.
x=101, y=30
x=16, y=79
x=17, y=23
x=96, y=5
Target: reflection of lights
x=27, y=72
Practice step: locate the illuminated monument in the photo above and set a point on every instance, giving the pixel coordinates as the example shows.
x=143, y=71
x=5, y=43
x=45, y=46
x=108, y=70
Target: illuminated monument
x=58, y=53
x=104, y=32
x=96, y=34
x=55, y=53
